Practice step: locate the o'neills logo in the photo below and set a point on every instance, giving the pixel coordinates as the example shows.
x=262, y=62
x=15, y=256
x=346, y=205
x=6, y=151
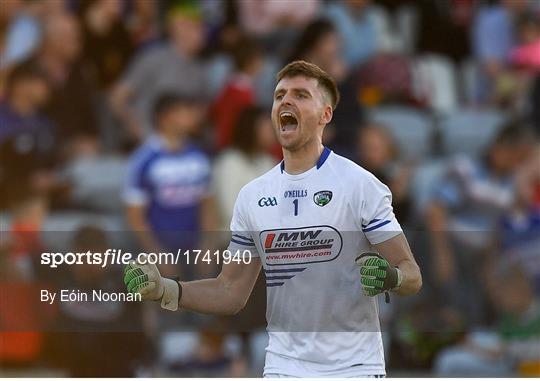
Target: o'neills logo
x=308, y=244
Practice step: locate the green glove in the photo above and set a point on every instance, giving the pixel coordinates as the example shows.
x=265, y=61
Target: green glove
x=376, y=274
x=145, y=279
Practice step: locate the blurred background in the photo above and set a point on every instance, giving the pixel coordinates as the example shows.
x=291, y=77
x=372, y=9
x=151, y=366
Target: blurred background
x=134, y=124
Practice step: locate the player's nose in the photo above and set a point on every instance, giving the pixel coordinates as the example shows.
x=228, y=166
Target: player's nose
x=287, y=101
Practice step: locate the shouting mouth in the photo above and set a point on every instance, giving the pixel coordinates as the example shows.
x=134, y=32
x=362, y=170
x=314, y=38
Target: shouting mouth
x=288, y=121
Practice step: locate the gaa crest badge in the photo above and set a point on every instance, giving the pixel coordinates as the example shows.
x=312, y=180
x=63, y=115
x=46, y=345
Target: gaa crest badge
x=322, y=198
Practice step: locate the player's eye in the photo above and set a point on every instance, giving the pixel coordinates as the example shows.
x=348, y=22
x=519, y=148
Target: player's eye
x=279, y=97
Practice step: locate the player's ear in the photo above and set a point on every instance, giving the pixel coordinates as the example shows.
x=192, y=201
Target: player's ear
x=327, y=114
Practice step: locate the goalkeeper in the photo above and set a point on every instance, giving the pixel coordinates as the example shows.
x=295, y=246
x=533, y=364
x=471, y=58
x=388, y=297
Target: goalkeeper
x=313, y=223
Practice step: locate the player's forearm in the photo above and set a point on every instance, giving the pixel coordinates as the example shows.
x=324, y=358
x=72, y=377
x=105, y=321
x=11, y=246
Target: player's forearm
x=211, y=296
x=412, y=278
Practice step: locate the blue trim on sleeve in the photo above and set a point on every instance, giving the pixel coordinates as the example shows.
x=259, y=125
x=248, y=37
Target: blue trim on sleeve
x=242, y=243
x=370, y=222
x=293, y=270
x=282, y=277
x=274, y=284
x=242, y=237
x=376, y=226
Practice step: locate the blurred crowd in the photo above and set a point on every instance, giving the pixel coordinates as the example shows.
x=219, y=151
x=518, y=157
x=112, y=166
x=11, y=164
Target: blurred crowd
x=136, y=122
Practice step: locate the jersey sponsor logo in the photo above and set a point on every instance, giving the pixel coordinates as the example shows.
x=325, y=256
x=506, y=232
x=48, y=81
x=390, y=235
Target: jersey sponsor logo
x=310, y=244
x=297, y=193
x=322, y=198
x=267, y=201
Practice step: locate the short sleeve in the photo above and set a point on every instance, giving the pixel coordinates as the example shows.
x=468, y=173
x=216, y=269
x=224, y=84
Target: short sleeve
x=241, y=234
x=377, y=218
x=449, y=190
x=141, y=71
x=136, y=191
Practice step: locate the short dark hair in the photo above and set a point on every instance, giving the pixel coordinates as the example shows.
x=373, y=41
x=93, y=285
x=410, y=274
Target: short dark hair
x=24, y=71
x=310, y=70
x=244, y=134
x=513, y=133
x=245, y=51
x=168, y=101
x=310, y=37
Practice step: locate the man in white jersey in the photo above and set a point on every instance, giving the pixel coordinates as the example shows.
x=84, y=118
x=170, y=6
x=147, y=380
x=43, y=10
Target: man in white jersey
x=325, y=234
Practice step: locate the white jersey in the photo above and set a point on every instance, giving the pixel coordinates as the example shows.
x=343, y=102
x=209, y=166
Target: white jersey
x=308, y=229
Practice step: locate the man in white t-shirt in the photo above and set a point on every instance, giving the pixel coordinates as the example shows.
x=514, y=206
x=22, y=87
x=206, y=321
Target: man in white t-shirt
x=325, y=234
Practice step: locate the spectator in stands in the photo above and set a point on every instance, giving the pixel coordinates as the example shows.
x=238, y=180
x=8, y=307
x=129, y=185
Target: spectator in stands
x=23, y=28
x=171, y=67
x=512, y=348
x=444, y=27
x=27, y=146
x=143, y=25
x=320, y=44
x=527, y=52
x=362, y=26
x=24, y=244
x=107, y=45
x=21, y=318
x=512, y=86
x=377, y=153
x=275, y=22
x=167, y=194
x=472, y=197
x=71, y=104
x=494, y=36
x=518, y=233
x=246, y=159
x=19, y=34
x=239, y=92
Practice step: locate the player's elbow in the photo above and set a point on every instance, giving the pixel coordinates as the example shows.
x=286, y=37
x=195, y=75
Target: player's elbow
x=416, y=284
x=236, y=307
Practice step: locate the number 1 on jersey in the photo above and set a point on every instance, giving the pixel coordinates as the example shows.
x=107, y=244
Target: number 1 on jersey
x=295, y=202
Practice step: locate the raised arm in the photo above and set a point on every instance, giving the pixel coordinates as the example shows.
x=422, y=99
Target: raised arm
x=226, y=294
x=397, y=252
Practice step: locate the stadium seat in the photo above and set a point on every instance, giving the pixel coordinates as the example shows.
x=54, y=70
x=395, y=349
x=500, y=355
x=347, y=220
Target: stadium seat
x=406, y=23
x=470, y=81
x=435, y=79
x=470, y=131
x=423, y=183
x=411, y=129
x=98, y=182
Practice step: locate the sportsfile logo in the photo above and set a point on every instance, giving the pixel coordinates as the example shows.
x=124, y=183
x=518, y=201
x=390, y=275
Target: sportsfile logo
x=310, y=244
x=267, y=201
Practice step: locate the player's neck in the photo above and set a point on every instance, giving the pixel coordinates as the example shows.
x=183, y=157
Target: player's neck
x=173, y=142
x=302, y=159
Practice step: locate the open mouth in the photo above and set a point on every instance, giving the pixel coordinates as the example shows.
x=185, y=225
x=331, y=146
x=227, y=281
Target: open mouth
x=288, y=121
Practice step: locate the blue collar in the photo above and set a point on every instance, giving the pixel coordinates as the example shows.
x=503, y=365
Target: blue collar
x=324, y=155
